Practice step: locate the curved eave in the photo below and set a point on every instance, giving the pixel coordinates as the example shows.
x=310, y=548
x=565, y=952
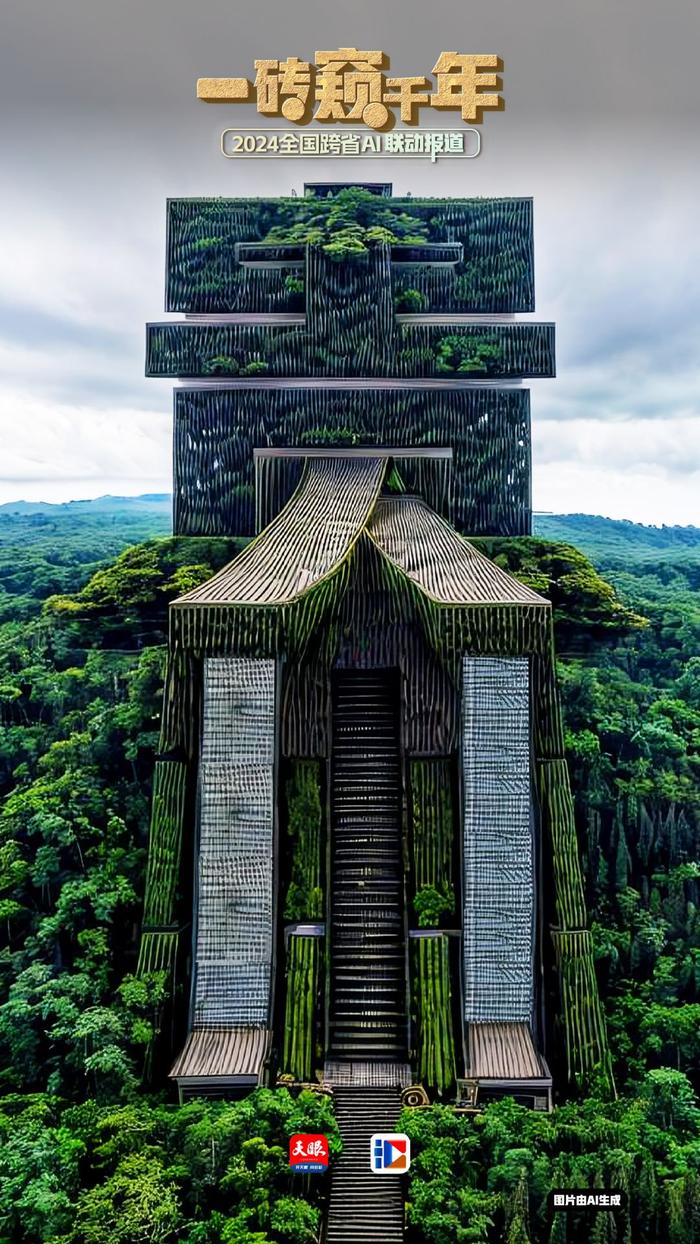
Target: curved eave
x=337, y=501
x=446, y=568
x=305, y=543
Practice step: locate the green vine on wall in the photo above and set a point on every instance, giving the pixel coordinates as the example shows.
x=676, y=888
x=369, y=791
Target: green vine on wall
x=229, y=365
x=304, y=831
x=432, y=830
x=304, y=901
x=467, y=354
x=496, y=273
x=302, y=977
x=432, y=996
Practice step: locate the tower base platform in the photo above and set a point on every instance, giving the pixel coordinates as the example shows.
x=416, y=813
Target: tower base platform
x=502, y=1062
x=216, y=1062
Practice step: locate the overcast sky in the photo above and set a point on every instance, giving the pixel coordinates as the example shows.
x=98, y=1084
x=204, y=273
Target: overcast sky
x=99, y=124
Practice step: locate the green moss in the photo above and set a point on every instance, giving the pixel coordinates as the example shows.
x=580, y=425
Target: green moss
x=345, y=225
x=432, y=836
x=165, y=839
x=410, y=301
x=496, y=273
x=432, y=994
x=585, y=605
x=330, y=436
x=468, y=355
x=394, y=482
x=302, y=989
x=356, y=337
x=430, y=905
x=304, y=899
x=221, y=365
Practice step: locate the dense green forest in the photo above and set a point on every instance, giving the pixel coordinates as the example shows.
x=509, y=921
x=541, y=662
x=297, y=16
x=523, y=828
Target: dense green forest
x=87, y=1154
x=609, y=540
x=47, y=548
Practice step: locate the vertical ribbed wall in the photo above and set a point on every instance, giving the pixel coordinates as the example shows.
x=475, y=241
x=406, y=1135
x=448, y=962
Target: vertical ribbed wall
x=160, y=927
x=234, y=884
x=498, y=847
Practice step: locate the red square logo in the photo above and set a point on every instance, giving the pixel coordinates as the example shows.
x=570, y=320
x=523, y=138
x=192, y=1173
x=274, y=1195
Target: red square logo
x=308, y=1154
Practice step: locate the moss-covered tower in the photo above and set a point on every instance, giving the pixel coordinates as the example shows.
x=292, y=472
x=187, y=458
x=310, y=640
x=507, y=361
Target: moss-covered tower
x=363, y=860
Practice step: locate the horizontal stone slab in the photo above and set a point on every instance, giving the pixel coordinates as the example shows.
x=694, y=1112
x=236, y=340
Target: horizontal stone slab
x=496, y=351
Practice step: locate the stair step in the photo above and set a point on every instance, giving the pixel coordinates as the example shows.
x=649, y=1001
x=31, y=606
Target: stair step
x=384, y=1053
x=355, y=898
x=354, y=907
x=364, y=919
x=367, y=991
x=354, y=902
x=365, y=1022
x=364, y=1208
x=373, y=1035
x=364, y=1033
x=372, y=880
x=367, y=1003
x=374, y=963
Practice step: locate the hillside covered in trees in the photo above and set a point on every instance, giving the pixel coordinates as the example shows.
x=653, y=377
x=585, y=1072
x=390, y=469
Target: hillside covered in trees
x=87, y=1154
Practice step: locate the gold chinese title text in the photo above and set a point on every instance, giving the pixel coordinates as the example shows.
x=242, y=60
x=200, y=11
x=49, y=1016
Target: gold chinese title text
x=350, y=85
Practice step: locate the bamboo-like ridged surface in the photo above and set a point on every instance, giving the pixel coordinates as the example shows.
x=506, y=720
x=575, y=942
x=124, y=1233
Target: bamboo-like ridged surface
x=305, y=542
x=164, y=843
x=277, y=477
x=305, y=836
x=302, y=986
x=206, y=623
x=432, y=993
x=158, y=953
x=432, y=823
x=546, y=710
x=200, y=350
x=557, y=809
x=496, y=273
x=349, y=313
x=373, y=622
x=202, y=273
x=383, y=595
x=582, y=1020
x=182, y=701
x=503, y=1051
x=585, y=1036
x=362, y=606
x=226, y=1052
x=212, y=631
x=448, y=569
x=335, y=502
x=484, y=489
x=159, y=933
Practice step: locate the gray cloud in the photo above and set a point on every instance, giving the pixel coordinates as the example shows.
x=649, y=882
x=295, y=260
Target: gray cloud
x=100, y=125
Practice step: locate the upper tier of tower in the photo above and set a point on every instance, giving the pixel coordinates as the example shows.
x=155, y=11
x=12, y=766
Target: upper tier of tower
x=461, y=256
x=350, y=284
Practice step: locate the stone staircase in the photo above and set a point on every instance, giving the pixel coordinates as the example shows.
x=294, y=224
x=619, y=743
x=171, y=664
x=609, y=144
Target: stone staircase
x=368, y=970
x=364, y=1208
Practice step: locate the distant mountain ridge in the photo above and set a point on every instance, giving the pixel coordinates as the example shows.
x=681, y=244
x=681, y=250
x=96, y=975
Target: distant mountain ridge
x=613, y=540
x=158, y=501
x=603, y=539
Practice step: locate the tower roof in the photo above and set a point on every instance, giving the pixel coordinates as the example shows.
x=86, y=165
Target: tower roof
x=444, y=566
x=339, y=499
x=307, y=540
